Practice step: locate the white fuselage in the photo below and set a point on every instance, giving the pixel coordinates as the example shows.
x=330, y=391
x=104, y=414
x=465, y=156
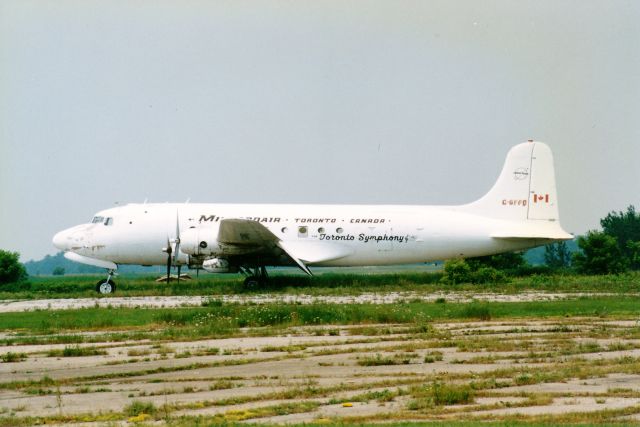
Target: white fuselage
x=520, y=211
x=363, y=235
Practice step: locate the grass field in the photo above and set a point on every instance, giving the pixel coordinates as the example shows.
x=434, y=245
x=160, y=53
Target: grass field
x=326, y=282
x=217, y=319
x=457, y=371
x=573, y=360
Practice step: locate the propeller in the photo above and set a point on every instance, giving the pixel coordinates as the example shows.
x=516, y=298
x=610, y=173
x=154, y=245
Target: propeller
x=168, y=251
x=173, y=251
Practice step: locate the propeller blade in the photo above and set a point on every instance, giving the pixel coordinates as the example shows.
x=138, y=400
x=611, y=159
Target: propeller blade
x=177, y=226
x=173, y=250
x=176, y=251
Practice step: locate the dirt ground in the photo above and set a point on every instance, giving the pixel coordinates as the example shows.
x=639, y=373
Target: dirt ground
x=511, y=369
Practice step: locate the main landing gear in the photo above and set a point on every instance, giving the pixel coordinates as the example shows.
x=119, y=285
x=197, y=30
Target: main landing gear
x=256, y=277
x=106, y=286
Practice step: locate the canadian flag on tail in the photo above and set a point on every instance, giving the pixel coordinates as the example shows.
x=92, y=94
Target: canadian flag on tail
x=540, y=198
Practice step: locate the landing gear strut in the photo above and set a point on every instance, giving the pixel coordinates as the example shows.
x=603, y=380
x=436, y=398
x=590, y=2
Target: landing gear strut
x=106, y=286
x=256, y=277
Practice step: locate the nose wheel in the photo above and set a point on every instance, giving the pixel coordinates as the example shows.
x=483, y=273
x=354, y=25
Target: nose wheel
x=106, y=286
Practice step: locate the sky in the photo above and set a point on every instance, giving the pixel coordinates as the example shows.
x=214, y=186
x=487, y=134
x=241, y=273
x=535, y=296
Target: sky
x=393, y=102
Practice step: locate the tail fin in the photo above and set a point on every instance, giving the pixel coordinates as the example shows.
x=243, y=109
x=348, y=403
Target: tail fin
x=525, y=189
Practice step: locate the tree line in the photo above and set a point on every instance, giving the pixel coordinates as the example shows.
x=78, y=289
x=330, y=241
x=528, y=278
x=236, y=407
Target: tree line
x=614, y=249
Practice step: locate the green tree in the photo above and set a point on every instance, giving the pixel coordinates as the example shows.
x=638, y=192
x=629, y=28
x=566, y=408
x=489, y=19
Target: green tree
x=557, y=255
x=11, y=270
x=58, y=271
x=634, y=249
x=599, y=254
x=506, y=261
x=625, y=228
x=456, y=271
x=460, y=271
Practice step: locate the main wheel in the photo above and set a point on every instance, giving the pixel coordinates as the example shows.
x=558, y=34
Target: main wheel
x=106, y=286
x=252, y=282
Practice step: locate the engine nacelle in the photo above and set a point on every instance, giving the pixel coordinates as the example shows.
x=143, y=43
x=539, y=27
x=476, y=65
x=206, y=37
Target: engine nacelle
x=200, y=241
x=218, y=265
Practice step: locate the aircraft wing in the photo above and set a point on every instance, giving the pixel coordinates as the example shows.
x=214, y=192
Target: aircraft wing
x=247, y=234
x=240, y=237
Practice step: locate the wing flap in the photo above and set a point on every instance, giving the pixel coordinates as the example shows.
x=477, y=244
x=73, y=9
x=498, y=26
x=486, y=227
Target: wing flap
x=243, y=236
x=313, y=251
x=297, y=260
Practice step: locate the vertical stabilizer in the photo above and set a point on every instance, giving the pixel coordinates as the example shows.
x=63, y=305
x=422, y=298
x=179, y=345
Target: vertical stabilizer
x=525, y=189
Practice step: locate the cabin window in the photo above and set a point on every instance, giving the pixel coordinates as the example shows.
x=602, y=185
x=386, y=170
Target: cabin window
x=303, y=231
x=284, y=229
x=339, y=230
x=321, y=230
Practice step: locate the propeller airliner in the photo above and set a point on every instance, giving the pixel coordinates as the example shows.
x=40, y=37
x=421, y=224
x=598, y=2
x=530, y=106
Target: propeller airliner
x=519, y=212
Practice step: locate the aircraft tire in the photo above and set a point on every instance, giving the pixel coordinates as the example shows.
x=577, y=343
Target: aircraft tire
x=106, y=287
x=252, y=282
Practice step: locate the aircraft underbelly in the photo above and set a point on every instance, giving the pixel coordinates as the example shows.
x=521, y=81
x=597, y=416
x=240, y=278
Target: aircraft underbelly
x=425, y=251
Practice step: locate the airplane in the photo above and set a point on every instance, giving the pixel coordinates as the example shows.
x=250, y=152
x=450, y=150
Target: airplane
x=519, y=212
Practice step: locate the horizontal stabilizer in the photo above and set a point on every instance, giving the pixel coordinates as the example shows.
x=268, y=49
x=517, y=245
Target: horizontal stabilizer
x=90, y=261
x=543, y=234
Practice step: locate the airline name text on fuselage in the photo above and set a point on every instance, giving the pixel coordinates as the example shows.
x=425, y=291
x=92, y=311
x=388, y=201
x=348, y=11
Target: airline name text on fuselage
x=366, y=238
x=216, y=218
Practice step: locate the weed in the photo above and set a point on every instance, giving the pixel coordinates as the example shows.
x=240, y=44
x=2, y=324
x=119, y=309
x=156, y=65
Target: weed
x=476, y=311
x=138, y=407
x=379, y=360
x=138, y=352
x=212, y=302
x=76, y=351
x=433, y=356
x=439, y=394
x=12, y=357
x=524, y=379
x=221, y=385
x=379, y=396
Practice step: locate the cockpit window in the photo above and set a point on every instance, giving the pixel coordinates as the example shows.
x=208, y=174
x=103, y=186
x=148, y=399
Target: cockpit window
x=97, y=219
x=108, y=221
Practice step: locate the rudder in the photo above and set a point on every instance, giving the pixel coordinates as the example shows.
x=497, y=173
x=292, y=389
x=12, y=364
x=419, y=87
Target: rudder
x=525, y=189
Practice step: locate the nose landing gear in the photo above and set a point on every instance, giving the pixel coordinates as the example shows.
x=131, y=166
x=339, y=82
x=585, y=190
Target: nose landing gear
x=106, y=286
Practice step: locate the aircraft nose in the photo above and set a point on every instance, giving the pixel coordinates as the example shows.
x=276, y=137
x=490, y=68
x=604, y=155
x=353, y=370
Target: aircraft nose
x=60, y=240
